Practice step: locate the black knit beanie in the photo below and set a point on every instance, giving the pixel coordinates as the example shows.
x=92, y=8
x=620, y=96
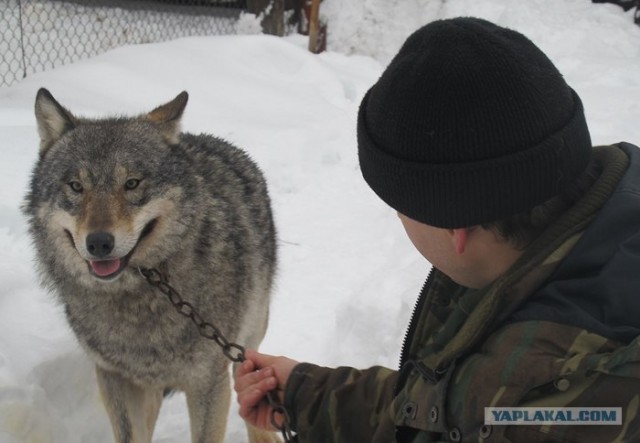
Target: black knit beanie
x=470, y=123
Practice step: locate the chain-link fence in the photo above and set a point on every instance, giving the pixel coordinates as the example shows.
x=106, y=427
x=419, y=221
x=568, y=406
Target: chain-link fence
x=36, y=35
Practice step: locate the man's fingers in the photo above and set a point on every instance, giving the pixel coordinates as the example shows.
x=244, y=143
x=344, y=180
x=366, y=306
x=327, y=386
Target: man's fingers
x=260, y=360
x=247, y=377
x=250, y=398
x=243, y=369
x=258, y=375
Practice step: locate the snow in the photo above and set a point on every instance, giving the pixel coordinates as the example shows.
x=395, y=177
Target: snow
x=348, y=277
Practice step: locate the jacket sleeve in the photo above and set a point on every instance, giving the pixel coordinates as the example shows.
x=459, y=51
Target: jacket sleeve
x=338, y=405
x=527, y=364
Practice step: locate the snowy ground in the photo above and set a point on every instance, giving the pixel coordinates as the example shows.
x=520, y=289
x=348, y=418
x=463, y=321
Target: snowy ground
x=348, y=277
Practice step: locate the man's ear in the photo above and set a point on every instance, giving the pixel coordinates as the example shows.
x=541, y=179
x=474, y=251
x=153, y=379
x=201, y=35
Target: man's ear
x=460, y=237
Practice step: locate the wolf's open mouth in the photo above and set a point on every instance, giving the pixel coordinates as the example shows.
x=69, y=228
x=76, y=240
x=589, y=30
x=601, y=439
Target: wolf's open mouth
x=109, y=269
x=105, y=268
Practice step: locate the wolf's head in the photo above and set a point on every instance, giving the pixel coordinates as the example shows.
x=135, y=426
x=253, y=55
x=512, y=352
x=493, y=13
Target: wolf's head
x=105, y=193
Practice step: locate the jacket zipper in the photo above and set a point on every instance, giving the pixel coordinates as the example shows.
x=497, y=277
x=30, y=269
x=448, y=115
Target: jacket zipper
x=417, y=309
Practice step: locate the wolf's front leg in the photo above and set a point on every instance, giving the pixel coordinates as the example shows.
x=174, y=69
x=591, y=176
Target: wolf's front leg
x=208, y=404
x=259, y=436
x=133, y=410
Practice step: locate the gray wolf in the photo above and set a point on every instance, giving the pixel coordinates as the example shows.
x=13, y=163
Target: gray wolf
x=110, y=195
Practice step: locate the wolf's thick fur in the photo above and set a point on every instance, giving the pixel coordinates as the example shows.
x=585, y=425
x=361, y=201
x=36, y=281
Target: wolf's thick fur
x=110, y=195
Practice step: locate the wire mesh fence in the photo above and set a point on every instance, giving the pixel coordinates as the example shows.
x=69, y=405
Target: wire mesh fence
x=37, y=35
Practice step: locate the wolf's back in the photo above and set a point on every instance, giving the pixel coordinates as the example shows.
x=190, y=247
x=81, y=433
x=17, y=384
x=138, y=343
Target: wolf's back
x=230, y=177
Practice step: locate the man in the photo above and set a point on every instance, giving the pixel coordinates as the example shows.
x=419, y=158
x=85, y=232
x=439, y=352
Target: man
x=474, y=137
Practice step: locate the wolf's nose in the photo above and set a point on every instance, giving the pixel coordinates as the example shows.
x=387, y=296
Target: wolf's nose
x=100, y=244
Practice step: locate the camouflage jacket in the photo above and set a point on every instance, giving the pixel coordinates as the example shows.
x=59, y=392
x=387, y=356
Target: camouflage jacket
x=560, y=328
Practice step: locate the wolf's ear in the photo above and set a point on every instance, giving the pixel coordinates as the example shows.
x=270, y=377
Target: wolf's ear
x=53, y=120
x=168, y=116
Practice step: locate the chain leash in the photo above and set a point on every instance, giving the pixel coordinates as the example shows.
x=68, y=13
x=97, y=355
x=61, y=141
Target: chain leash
x=232, y=351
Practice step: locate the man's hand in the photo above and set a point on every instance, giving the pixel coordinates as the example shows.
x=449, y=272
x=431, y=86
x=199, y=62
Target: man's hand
x=254, y=378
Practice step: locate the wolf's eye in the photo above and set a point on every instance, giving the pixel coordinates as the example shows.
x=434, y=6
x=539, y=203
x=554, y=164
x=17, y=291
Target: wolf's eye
x=131, y=184
x=76, y=187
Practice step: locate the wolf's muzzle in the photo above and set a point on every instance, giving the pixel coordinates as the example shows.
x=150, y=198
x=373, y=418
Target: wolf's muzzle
x=101, y=244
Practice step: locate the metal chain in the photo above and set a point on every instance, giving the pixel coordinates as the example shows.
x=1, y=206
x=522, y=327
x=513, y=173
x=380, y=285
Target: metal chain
x=232, y=351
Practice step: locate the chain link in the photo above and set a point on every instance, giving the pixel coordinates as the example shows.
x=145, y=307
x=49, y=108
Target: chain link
x=232, y=351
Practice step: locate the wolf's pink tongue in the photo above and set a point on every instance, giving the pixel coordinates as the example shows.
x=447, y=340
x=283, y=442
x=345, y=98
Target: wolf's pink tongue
x=105, y=268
